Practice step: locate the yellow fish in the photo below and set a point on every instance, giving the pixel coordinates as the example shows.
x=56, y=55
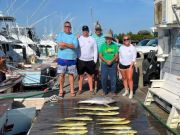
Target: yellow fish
x=98, y=108
x=99, y=113
x=73, y=128
x=119, y=127
x=71, y=132
x=79, y=118
x=111, y=119
x=120, y=132
x=70, y=124
x=115, y=122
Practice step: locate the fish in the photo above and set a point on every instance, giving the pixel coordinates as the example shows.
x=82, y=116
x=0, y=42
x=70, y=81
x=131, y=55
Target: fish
x=99, y=113
x=79, y=118
x=69, y=124
x=98, y=100
x=111, y=119
x=73, y=128
x=102, y=108
x=120, y=127
x=71, y=132
x=120, y=132
x=114, y=122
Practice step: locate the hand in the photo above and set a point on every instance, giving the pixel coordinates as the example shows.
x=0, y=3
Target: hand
x=131, y=66
x=109, y=62
x=62, y=45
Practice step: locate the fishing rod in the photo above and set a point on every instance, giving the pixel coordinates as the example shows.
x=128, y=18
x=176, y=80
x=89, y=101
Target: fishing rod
x=41, y=4
x=11, y=6
x=43, y=18
x=21, y=6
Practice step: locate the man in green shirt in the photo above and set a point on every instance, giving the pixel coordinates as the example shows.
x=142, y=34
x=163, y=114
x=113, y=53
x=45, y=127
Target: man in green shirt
x=108, y=54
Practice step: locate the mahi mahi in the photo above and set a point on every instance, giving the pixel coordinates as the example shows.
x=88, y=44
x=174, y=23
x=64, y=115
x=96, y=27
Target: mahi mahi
x=115, y=122
x=100, y=108
x=99, y=113
x=73, y=128
x=79, y=118
x=120, y=132
x=111, y=119
x=120, y=127
x=98, y=101
x=71, y=132
x=70, y=124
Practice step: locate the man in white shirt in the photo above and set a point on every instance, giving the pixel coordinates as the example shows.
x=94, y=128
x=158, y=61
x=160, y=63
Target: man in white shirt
x=87, y=58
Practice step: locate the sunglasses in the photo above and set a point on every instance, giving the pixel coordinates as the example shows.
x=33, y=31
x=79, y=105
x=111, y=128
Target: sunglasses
x=67, y=26
x=98, y=30
x=126, y=39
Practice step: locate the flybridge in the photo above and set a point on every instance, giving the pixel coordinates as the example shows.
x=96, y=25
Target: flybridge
x=6, y=18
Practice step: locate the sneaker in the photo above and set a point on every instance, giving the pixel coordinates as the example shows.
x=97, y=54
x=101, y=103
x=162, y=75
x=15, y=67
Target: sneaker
x=131, y=95
x=125, y=93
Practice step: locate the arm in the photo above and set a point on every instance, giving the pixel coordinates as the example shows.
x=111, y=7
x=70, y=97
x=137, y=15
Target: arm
x=134, y=56
x=63, y=45
x=95, y=51
x=101, y=57
x=115, y=58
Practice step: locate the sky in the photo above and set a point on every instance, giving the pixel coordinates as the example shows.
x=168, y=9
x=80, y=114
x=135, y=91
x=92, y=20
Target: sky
x=47, y=16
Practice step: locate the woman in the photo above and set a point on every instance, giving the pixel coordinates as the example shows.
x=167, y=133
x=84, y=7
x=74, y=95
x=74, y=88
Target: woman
x=108, y=55
x=127, y=59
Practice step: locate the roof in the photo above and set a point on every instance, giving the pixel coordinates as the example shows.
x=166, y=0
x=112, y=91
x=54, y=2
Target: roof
x=48, y=42
x=23, y=39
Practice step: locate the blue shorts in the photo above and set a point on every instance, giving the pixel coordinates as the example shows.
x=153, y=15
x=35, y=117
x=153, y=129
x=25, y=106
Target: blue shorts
x=66, y=66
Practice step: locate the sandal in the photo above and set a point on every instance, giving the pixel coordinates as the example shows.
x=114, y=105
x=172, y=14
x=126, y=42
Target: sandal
x=92, y=92
x=79, y=92
x=73, y=94
x=61, y=94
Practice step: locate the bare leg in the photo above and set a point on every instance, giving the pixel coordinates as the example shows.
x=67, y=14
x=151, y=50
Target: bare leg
x=124, y=78
x=96, y=79
x=80, y=82
x=61, y=84
x=90, y=82
x=71, y=81
x=130, y=81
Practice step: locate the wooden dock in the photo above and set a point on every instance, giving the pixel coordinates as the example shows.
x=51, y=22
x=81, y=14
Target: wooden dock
x=54, y=113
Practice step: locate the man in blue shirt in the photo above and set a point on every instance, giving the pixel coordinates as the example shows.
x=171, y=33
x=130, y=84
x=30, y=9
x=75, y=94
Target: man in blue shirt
x=67, y=54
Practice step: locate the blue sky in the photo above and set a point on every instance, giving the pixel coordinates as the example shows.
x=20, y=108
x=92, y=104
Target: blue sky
x=119, y=15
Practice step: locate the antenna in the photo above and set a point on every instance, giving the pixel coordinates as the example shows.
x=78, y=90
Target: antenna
x=92, y=19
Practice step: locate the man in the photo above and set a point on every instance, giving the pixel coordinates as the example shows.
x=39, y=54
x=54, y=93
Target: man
x=87, y=58
x=99, y=37
x=3, y=68
x=108, y=55
x=67, y=54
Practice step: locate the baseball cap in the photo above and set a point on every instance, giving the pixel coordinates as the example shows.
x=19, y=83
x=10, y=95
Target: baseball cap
x=85, y=28
x=98, y=26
